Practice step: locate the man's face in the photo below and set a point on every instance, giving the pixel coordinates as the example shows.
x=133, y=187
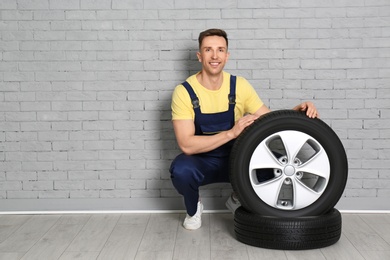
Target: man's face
x=213, y=54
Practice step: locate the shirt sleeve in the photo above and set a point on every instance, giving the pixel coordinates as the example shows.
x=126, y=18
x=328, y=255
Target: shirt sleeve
x=181, y=104
x=252, y=101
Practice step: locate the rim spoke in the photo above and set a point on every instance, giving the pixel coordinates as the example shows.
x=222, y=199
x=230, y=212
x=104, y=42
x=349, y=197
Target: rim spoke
x=269, y=192
x=303, y=196
x=318, y=165
x=293, y=142
x=263, y=158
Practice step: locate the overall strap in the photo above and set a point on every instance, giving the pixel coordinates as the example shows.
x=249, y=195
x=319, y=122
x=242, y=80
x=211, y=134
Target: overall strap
x=193, y=96
x=232, y=94
x=232, y=97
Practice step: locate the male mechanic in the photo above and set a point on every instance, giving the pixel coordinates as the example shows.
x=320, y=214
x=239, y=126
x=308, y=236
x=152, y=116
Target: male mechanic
x=208, y=115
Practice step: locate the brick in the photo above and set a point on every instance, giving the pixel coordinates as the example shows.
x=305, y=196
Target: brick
x=83, y=175
x=22, y=194
x=8, y=4
x=204, y=14
x=100, y=165
x=53, y=135
x=284, y=23
x=37, y=185
x=65, y=25
x=9, y=25
x=10, y=166
x=16, y=15
x=99, y=184
x=61, y=126
x=53, y=194
x=95, y=4
x=52, y=156
x=68, y=185
x=98, y=145
x=21, y=176
x=145, y=194
x=298, y=12
x=33, y=4
x=21, y=156
x=114, y=155
x=315, y=43
x=83, y=194
x=51, y=116
x=17, y=35
x=83, y=135
x=114, y=175
x=114, y=116
x=82, y=155
x=80, y=15
x=131, y=184
x=37, y=166
x=133, y=164
x=68, y=165
x=49, y=15
x=34, y=25
x=301, y=33
x=20, y=136
x=70, y=4
x=253, y=4
x=111, y=15
x=97, y=25
x=18, y=76
x=115, y=194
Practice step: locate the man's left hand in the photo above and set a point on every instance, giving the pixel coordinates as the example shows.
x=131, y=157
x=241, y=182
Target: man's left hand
x=309, y=107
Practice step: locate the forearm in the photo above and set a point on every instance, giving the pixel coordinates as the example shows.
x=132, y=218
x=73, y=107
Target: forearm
x=205, y=143
x=190, y=143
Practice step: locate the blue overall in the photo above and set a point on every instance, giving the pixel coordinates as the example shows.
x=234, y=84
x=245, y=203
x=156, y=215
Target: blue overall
x=189, y=172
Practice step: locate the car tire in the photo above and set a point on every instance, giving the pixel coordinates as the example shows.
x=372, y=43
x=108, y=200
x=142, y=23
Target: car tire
x=288, y=165
x=287, y=233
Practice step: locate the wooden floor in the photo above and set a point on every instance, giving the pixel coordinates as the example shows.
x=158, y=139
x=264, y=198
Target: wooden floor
x=161, y=236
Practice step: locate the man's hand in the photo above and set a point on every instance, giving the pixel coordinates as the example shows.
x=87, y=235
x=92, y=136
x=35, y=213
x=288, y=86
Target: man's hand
x=309, y=107
x=241, y=124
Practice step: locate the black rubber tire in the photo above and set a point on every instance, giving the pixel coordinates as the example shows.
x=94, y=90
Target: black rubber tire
x=270, y=124
x=287, y=233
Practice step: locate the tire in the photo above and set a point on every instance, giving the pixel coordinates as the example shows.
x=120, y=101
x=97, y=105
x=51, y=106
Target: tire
x=288, y=165
x=287, y=233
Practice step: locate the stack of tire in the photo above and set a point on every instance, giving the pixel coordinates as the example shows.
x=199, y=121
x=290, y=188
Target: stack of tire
x=288, y=171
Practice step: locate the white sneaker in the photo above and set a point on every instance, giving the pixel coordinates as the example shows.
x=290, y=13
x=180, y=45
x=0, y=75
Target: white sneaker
x=194, y=222
x=233, y=203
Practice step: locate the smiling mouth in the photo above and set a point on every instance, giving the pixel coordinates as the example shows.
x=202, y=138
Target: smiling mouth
x=214, y=64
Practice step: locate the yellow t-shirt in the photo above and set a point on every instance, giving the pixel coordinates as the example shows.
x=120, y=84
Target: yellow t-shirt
x=215, y=101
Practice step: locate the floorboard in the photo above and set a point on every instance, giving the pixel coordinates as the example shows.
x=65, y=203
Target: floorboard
x=161, y=236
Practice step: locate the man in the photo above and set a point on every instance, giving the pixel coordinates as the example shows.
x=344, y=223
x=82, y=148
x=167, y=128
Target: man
x=208, y=114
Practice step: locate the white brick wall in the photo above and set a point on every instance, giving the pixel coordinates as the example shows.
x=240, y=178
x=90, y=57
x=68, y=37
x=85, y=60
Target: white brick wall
x=85, y=88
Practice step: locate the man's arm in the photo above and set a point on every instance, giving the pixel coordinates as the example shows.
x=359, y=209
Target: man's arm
x=309, y=107
x=262, y=110
x=190, y=143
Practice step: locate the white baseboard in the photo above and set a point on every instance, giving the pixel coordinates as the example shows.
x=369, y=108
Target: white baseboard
x=156, y=205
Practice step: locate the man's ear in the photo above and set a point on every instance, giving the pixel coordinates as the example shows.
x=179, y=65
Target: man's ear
x=199, y=56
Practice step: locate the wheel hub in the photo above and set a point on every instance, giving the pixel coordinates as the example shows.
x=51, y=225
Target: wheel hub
x=289, y=170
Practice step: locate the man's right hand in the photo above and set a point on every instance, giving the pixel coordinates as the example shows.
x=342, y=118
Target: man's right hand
x=241, y=124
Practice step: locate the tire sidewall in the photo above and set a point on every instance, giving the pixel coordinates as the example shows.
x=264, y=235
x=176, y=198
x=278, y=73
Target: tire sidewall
x=288, y=233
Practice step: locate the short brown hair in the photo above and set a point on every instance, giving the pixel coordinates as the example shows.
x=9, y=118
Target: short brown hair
x=212, y=32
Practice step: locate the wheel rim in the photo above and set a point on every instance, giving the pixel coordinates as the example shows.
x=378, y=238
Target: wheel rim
x=289, y=170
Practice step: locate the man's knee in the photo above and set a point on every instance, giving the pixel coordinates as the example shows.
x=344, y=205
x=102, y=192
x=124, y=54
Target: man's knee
x=184, y=170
